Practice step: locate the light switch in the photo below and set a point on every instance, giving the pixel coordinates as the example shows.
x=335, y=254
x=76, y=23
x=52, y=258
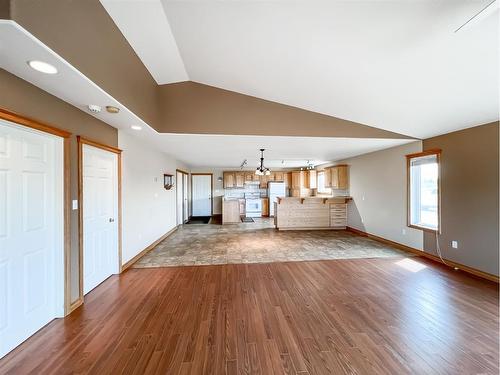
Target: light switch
x=454, y=244
x=74, y=204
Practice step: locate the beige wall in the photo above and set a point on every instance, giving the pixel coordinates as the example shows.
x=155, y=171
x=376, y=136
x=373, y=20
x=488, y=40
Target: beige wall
x=378, y=188
x=19, y=96
x=469, y=197
x=190, y=107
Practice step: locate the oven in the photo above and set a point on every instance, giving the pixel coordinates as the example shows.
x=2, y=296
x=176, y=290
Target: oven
x=253, y=207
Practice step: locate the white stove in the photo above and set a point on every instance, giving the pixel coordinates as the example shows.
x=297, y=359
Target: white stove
x=253, y=204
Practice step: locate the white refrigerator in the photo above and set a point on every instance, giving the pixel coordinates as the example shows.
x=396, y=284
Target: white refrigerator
x=275, y=190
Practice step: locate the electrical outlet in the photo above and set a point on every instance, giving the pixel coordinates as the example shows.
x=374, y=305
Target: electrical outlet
x=403, y=231
x=454, y=244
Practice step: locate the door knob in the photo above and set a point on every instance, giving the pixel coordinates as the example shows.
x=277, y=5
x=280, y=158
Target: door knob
x=111, y=220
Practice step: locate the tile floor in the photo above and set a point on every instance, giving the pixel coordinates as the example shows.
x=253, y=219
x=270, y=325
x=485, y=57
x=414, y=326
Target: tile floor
x=258, y=242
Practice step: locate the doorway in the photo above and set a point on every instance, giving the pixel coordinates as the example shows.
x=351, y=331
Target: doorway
x=99, y=213
x=201, y=194
x=32, y=193
x=182, y=197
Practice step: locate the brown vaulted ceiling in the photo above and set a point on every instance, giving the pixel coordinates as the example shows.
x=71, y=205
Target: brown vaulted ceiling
x=83, y=33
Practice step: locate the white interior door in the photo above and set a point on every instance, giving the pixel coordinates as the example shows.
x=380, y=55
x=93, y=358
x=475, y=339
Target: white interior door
x=179, y=189
x=31, y=232
x=202, y=195
x=185, y=195
x=100, y=216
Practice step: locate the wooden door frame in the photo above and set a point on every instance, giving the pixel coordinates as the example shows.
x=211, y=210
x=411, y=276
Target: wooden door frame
x=65, y=135
x=211, y=190
x=187, y=174
x=85, y=141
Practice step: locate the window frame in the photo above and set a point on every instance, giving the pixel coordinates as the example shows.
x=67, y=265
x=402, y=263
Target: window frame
x=409, y=157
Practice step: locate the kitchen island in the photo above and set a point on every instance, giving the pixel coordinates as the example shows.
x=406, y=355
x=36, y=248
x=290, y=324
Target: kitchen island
x=311, y=213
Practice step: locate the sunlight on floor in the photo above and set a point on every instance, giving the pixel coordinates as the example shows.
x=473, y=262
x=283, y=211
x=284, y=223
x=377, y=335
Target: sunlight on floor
x=410, y=265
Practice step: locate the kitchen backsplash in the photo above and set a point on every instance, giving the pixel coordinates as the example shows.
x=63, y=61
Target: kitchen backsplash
x=240, y=193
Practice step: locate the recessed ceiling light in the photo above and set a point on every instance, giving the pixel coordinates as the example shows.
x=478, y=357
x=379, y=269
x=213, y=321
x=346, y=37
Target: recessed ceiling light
x=42, y=67
x=136, y=127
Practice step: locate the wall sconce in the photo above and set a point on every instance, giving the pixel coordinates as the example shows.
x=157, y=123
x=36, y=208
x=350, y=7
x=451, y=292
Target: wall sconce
x=168, y=181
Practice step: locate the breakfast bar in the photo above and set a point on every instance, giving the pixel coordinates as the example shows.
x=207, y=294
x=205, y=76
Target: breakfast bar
x=311, y=213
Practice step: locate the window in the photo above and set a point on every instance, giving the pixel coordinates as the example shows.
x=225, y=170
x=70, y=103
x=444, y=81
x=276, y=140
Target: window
x=423, y=194
x=321, y=184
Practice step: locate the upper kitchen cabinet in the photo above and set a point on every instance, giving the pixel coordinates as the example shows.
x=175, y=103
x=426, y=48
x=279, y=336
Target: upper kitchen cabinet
x=239, y=179
x=229, y=180
x=310, y=180
x=297, y=179
x=249, y=176
x=278, y=176
x=337, y=177
x=263, y=181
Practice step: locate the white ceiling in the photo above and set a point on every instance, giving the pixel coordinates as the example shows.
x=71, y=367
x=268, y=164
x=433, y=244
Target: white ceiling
x=144, y=24
x=395, y=65
x=229, y=151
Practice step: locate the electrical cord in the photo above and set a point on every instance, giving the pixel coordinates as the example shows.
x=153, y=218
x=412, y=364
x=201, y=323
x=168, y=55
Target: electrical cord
x=438, y=249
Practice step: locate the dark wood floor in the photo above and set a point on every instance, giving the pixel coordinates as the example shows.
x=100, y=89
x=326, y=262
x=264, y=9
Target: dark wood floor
x=367, y=316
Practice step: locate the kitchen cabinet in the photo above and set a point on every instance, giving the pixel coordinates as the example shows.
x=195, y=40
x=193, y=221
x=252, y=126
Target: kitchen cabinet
x=339, y=177
x=229, y=180
x=297, y=179
x=287, y=177
x=310, y=181
x=230, y=211
x=249, y=176
x=263, y=181
x=278, y=176
x=265, y=206
x=239, y=179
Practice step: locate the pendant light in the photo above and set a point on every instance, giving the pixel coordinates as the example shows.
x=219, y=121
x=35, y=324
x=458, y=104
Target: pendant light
x=261, y=170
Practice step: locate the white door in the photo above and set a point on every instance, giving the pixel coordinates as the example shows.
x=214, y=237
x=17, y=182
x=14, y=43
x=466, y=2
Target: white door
x=185, y=194
x=31, y=232
x=100, y=216
x=202, y=195
x=179, y=190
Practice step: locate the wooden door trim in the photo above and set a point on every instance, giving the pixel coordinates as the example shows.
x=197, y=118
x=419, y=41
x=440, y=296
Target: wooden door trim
x=211, y=190
x=32, y=123
x=84, y=141
x=52, y=130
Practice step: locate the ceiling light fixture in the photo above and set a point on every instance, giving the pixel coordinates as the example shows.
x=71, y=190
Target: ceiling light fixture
x=136, y=127
x=42, y=67
x=481, y=15
x=261, y=170
x=112, y=109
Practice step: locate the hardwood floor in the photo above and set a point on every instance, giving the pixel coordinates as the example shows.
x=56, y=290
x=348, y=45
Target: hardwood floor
x=364, y=316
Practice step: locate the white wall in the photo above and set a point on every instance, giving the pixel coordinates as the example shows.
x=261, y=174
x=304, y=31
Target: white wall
x=149, y=211
x=378, y=187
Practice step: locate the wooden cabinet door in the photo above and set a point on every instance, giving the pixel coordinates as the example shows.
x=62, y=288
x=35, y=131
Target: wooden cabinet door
x=242, y=207
x=335, y=177
x=263, y=181
x=343, y=177
x=249, y=176
x=278, y=176
x=328, y=177
x=265, y=206
x=229, y=181
x=240, y=179
x=287, y=177
x=297, y=179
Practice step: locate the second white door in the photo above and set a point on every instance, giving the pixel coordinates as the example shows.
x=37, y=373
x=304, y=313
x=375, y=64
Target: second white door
x=201, y=186
x=100, y=216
